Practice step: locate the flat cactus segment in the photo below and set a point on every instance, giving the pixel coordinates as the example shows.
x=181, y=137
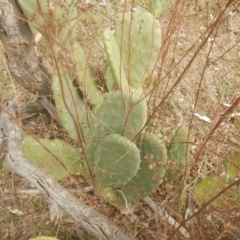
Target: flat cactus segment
x=138, y=36
x=209, y=187
x=109, y=80
x=68, y=157
x=111, y=196
x=117, y=160
x=72, y=111
x=115, y=60
x=232, y=166
x=54, y=16
x=152, y=168
x=177, y=150
x=121, y=113
x=86, y=82
x=158, y=7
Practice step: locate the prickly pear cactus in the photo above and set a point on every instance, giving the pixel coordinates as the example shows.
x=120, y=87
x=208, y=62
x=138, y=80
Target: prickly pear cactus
x=121, y=113
x=152, y=168
x=158, y=7
x=57, y=157
x=115, y=60
x=209, y=187
x=72, y=111
x=232, y=166
x=177, y=149
x=177, y=152
x=111, y=196
x=109, y=80
x=117, y=160
x=115, y=157
x=85, y=80
x=138, y=36
x=51, y=17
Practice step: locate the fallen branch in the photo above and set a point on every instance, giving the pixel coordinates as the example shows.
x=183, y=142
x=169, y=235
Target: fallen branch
x=89, y=219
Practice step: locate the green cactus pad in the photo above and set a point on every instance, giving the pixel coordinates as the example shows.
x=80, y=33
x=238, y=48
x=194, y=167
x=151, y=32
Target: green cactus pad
x=109, y=80
x=152, y=168
x=68, y=157
x=73, y=112
x=111, y=196
x=177, y=152
x=114, y=60
x=232, y=166
x=122, y=113
x=209, y=187
x=53, y=16
x=158, y=7
x=138, y=36
x=85, y=80
x=117, y=160
x=119, y=113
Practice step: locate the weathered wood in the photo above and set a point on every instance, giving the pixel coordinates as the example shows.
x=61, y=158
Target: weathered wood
x=89, y=219
x=23, y=63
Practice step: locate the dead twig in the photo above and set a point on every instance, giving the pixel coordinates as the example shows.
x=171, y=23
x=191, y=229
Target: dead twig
x=156, y=208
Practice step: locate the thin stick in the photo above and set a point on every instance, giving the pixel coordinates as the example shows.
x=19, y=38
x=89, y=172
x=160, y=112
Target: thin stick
x=156, y=208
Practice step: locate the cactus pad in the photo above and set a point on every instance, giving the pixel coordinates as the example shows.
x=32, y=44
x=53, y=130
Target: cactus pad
x=158, y=7
x=86, y=82
x=138, y=36
x=119, y=113
x=69, y=160
x=152, y=168
x=109, y=80
x=122, y=113
x=72, y=110
x=117, y=160
x=232, y=166
x=177, y=152
x=209, y=187
x=115, y=60
x=51, y=17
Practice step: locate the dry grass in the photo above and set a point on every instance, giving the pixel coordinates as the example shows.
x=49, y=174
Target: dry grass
x=198, y=72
